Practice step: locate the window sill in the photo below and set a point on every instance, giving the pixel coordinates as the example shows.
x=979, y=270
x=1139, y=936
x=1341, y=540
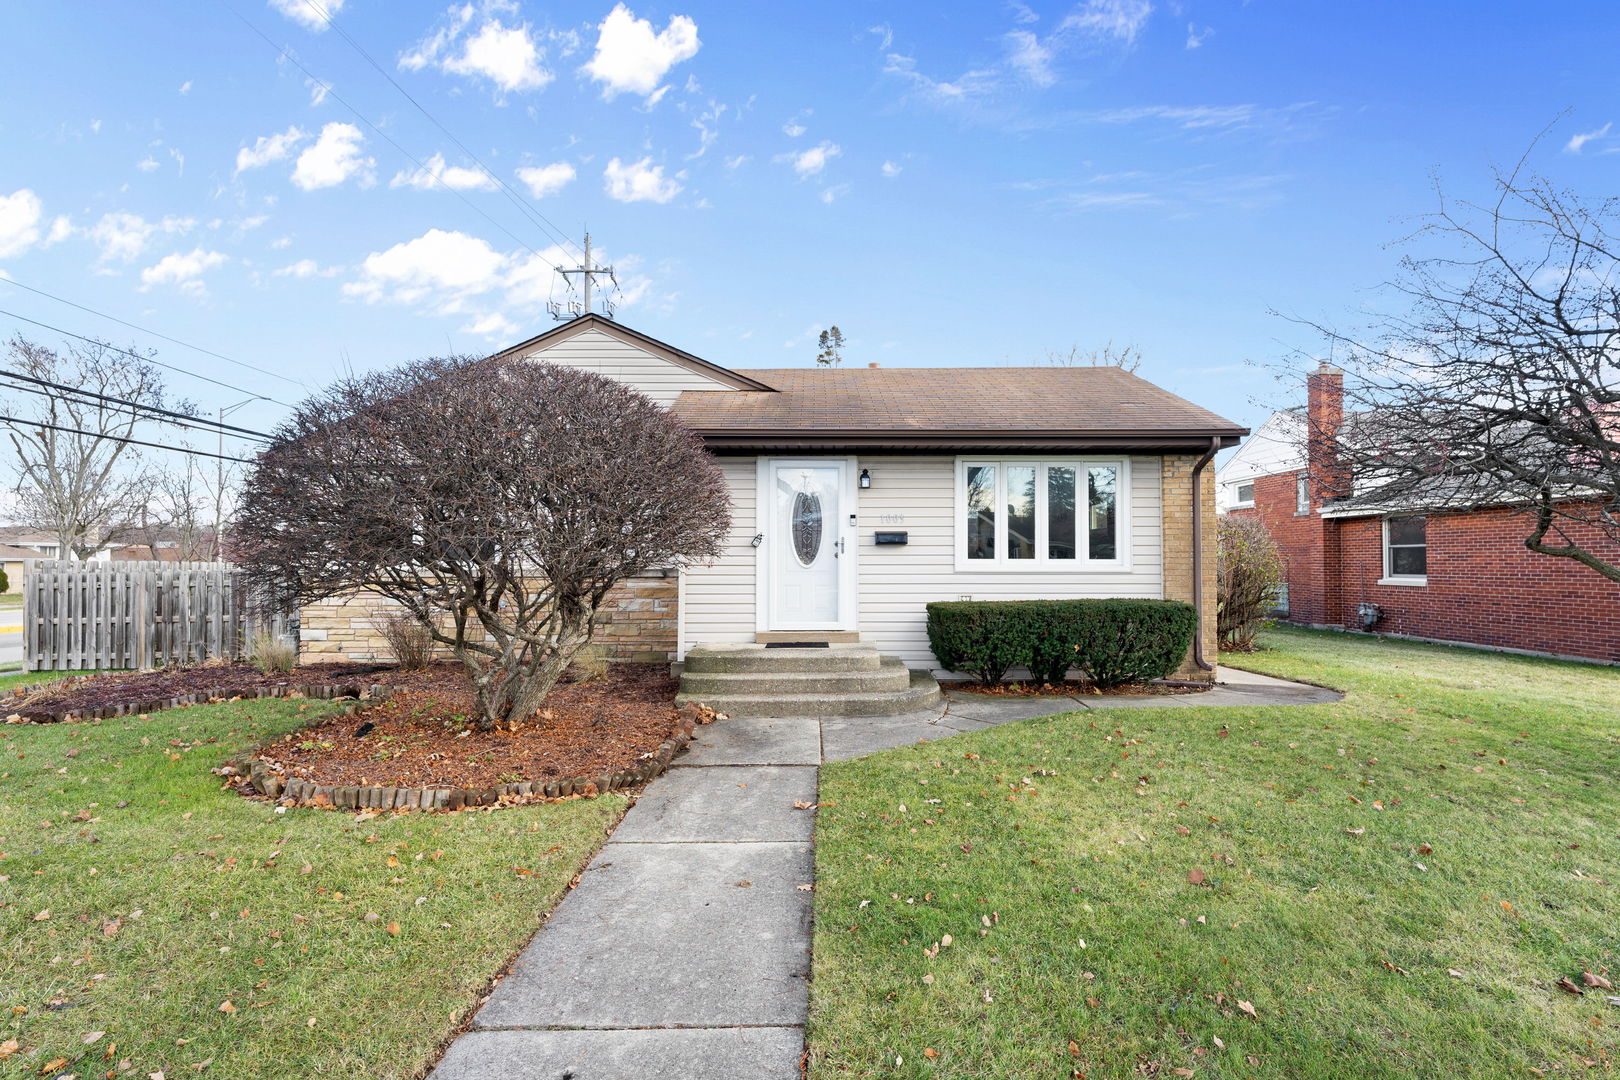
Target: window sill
x=1034, y=567
x=1403, y=581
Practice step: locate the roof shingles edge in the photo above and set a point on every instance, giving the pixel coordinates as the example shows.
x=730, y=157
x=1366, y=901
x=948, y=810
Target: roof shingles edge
x=1033, y=407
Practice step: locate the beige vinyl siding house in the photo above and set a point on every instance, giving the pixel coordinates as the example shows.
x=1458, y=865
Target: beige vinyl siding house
x=859, y=496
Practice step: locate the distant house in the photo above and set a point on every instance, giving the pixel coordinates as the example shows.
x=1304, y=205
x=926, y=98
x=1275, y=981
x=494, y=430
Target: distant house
x=1420, y=572
x=12, y=560
x=861, y=494
x=42, y=545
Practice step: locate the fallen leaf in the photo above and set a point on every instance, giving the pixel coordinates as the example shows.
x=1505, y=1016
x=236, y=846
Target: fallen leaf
x=92, y=1036
x=52, y=1066
x=111, y=927
x=805, y=888
x=393, y=929
x=1216, y=1039
x=1596, y=981
x=1195, y=876
x=930, y=1052
x=743, y=884
x=42, y=916
x=227, y=1007
x=1247, y=1007
x=1569, y=986
x=9, y=1047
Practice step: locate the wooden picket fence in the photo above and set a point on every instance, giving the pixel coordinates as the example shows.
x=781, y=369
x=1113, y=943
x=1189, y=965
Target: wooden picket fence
x=80, y=616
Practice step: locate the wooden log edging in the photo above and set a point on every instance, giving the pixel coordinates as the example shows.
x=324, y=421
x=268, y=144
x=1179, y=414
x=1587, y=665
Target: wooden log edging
x=260, y=778
x=326, y=691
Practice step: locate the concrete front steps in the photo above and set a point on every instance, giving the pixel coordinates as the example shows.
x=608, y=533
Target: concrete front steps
x=840, y=680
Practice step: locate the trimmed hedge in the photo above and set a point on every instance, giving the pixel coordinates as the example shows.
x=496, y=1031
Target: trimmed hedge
x=1114, y=641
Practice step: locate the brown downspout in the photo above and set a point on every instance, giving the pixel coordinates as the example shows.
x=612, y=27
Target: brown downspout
x=1198, y=553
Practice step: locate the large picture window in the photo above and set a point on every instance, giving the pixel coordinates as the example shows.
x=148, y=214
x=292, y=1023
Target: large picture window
x=1024, y=513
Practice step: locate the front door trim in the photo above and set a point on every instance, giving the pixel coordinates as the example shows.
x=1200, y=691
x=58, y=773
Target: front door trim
x=842, y=529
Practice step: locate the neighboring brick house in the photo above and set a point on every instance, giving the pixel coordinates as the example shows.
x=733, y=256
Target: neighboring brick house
x=1463, y=577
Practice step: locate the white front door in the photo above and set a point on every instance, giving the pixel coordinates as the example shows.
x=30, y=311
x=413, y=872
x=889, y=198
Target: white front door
x=809, y=547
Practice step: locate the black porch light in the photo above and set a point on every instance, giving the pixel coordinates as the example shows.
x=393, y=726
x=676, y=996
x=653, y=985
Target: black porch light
x=866, y=479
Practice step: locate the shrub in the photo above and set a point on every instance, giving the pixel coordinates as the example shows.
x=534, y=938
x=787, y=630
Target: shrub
x=980, y=638
x=409, y=641
x=270, y=653
x=1115, y=641
x=1132, y=641
x=1249, y=569
x=5, y=582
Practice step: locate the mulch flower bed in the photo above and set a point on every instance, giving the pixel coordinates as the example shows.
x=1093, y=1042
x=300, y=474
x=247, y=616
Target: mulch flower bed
x=1070, y=687
x=422, y=735
x=147, y=691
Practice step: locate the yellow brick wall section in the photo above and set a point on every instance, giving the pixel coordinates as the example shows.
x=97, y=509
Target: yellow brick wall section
x=1177, y=539
x=637, y=623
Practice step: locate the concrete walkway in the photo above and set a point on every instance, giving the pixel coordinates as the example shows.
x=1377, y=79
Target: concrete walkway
x=685, y=950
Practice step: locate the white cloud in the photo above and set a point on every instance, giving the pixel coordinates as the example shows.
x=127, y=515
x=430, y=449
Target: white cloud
x=632, y=57
x=892, y=169
x=1197, y=35
x=454, y=177
x=185, y=88
x=20, y=214
x=304, y=13
x=506, y=55
x=810, y=162
x=438, y=265
x=834, y=193
x=184, y=270
x=268, y=148
x=307, y=268
x=544, y=180
x=1118, y=19
x=793, y=129
x=454, y=273
x=639, y=181
x=147, y=164
x=333, y=159
x=1578, y=142
x=61, y=229
x=122, y=236
x=970, y=84
x=1031, y=57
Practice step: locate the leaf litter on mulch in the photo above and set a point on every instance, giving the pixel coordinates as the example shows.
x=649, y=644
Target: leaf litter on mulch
x=91, y=692
x=422, y=734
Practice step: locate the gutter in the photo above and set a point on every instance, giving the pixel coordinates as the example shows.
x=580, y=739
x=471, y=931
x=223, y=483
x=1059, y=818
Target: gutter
x=1198, y=553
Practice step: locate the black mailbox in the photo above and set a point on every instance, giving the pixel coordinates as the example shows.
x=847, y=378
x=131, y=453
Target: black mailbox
x=891, y=538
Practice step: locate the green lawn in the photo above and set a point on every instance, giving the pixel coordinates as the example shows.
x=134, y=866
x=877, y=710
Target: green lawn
x=1394, y=884
x=137, y=898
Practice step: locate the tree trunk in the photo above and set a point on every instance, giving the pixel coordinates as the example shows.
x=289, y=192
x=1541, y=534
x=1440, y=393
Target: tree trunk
x=509, y=691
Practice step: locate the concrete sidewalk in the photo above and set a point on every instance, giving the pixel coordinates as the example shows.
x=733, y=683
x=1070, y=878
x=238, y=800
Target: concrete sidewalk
x=685, y=950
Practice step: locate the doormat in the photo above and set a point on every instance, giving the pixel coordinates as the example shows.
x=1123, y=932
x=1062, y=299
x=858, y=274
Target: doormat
x=796, y=645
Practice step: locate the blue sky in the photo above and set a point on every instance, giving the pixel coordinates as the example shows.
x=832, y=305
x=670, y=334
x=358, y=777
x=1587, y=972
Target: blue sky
x=950, y=184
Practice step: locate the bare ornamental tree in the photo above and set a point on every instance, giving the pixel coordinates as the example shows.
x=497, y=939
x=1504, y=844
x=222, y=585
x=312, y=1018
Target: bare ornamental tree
x=497, y=502
x=75, y=476
x=1494, y=384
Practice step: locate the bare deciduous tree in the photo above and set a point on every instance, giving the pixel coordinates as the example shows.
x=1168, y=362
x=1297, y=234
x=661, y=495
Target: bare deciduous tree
x=496, y=502
x=84, y=486
x=1495, y=383
x=178, y=517
x=1126, y=357
x=1249, y=569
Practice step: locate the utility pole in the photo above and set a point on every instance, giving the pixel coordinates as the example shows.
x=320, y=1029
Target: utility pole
x=587, y=272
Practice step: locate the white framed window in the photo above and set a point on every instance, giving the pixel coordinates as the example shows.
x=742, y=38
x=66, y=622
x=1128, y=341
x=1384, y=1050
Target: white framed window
x=1302, y=495
x=1243, y=494
x=1406, y=550
x=1018, y=513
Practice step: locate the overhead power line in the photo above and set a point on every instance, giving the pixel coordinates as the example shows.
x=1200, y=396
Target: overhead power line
x=154, y=333
x=122, y=410
x=286, y=54
x=545, y=224
x=143, y=359
x=153, y=410
x=122, y=439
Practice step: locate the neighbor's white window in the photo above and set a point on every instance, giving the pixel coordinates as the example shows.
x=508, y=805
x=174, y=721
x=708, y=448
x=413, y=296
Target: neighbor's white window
x=1026, y=513
x=1302, y=496
x=1245, y=494
x=1406, y=549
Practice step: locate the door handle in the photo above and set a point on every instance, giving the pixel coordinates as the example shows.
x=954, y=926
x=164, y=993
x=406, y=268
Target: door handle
x=838, y=548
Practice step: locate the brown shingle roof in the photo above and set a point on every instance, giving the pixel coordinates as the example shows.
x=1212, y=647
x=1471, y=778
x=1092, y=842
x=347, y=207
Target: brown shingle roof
x=1045, y=406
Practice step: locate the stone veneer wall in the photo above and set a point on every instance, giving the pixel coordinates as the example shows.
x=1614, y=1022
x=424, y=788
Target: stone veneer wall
x=637, y=624
x=1177, y=541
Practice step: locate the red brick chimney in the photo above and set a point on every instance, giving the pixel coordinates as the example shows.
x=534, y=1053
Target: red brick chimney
x=1324, y=411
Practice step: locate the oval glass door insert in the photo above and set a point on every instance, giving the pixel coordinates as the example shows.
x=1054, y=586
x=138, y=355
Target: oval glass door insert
x=806, y=527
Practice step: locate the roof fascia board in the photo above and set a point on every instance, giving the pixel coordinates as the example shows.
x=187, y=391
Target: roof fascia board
x=663, y=350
